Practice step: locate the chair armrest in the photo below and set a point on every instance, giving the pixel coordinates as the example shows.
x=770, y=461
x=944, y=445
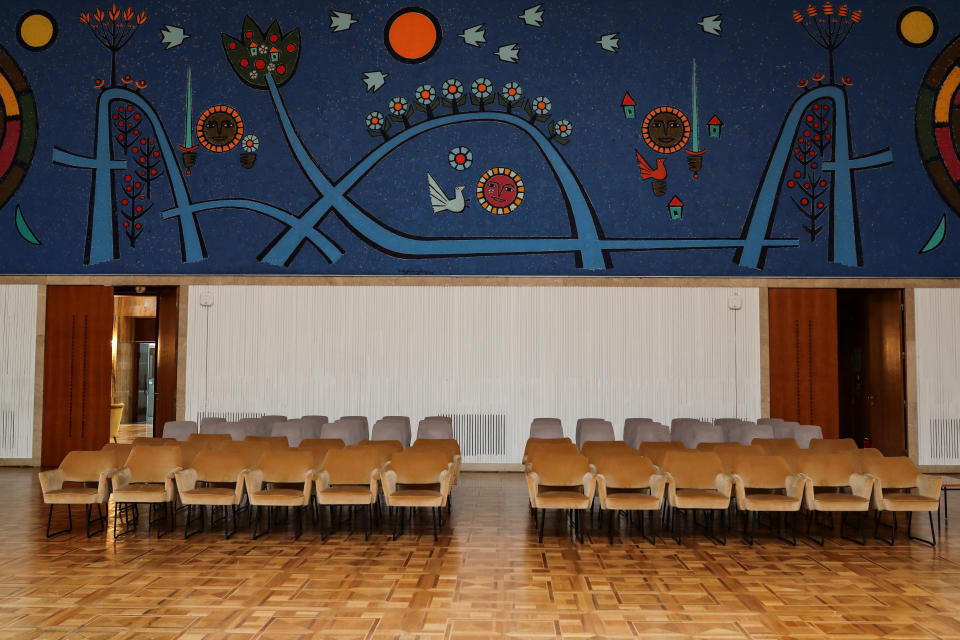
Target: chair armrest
x=186, y=480
x=51, y=480
x=120, y=478
x=808, y=494
x=389, y=480
x=533, y=482
x=724, y=484
x=238, y=489
x=322, y=480
x=446, y=482
x=593, y=469
x=929, y=485
x=602, y=489
x=308, y=485
x=589, y=485
x=657, y=485
x=740, y=491
x=168, y=481
x=103, y=484
x=795, y=485
x=862, y=485
x=671, y=489
x=375, y=482
x=253, y=480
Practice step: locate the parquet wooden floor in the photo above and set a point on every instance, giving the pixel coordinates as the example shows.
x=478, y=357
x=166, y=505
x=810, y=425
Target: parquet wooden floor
x=487, y=577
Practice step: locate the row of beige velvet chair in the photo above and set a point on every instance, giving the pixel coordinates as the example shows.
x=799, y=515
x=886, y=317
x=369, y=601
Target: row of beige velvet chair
x=559, y=477
x=145, y=474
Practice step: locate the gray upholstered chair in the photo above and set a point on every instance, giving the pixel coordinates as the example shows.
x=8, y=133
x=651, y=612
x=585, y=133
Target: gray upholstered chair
x=784, y=429
x=720, y=422
x=435, y=428
x=340, y=430
x=804, y=433
x=636, y=431
x=693, y=432
x=594, y=429
x=405, y=421
x=294, y=430
x=391, y=428
x=236, y=430
x=770, y=421
x=179, y=429
x=314, y=425
x=360, y=425
x=546, y=428
x=744, y=432
x=208, y=421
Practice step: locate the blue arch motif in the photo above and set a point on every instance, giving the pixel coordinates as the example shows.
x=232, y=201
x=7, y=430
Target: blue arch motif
x=586, y=241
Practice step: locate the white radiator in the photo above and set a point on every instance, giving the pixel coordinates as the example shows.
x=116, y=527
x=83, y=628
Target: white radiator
x=482, y=436
x=938, y=375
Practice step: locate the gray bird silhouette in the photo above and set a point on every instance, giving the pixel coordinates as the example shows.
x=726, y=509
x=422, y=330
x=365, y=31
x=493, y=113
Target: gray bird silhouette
x=441, y=202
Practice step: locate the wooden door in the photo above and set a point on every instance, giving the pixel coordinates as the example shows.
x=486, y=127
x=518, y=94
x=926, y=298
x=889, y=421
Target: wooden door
x=883, y=391
x=77, y=370
x=803, y=357
x=165, y=390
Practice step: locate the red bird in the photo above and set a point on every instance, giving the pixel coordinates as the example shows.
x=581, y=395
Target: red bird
x=646, y=171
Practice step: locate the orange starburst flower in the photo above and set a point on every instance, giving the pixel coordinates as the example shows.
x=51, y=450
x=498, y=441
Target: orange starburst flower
x=842, y=11
x=128, y=14
x=797, y=16
x=827, y=9
x=98, y=15
x=114, y=13
x=85, y=18
x=142, y=17
x=857, y=15
x=811, y=11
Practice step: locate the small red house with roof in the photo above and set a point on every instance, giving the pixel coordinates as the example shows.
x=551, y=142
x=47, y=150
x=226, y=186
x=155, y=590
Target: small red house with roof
x=629, y=107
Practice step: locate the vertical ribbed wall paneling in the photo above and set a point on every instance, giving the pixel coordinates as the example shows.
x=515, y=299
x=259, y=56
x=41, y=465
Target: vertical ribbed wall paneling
x=938, y=375
x=524, y=352
x=18, y=329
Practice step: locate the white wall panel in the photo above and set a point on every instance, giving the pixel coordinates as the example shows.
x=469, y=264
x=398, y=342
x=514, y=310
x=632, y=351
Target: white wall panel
x=18, y=330
x=524, y=352
x=938, y=375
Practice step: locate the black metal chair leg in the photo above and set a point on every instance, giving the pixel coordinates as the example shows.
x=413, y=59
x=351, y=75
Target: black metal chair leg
x=69, y=520
x=433, y=512
x=542, y=514
x=933, y=532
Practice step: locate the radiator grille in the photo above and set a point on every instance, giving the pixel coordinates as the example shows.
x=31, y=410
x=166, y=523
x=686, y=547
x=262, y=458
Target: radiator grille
x=944, y=440
x=481, y=435
x=8, y=431
x=229, y=416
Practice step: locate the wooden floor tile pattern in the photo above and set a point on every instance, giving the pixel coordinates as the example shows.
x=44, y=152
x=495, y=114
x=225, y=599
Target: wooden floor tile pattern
x=487, y=577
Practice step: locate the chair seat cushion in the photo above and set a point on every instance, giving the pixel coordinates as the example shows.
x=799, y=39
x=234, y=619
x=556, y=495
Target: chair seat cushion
x=909, y=502
x=772, y=502
x=562, y=500
x=346, y=494
x=278, y=498
x=141, y=493
x=416, y=498
x=71, y=495
x=701, y=499
x=629, y=500
x=209, y=495
x=840, y=502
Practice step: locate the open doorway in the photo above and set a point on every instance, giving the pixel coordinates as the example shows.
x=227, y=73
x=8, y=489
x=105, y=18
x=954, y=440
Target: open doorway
x=870, y=358
x=144, y=361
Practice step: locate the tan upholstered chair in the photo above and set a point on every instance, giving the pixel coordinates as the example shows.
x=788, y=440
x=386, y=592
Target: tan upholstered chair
x=451, y=449
x=146, y=478
x=319, y=447
x=629, y=483
x=564, y=481
x=350, y=477
x=148, y=441
x=269, y=442
x=832, y=445
x=730, y=451
x=417, y=478
x=386, y=448
x=214, y=479
x=860, y=456
x=657, y=451
x=548, y=445
x=899, y=486
x=210, y=441
x=696, y=482
x=833, y=485
x=766, y=484
x=592, y=448
x=119, y=452
x=282, y=478
x=777, y=446
x=59, y=485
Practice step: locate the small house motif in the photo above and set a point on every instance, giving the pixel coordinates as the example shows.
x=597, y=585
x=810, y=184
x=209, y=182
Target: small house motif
x=675, y=207
x=714, y=126
x=629, y=106
x=274, y=54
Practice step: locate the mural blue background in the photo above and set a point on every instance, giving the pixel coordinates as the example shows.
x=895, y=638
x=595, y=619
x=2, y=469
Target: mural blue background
x=748, y=77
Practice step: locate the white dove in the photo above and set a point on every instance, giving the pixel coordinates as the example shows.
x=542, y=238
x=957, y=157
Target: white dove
x=441, y=202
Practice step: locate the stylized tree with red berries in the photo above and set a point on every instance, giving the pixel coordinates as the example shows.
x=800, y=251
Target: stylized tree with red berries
x=809, y=185
x=146, y=155
x=126, y=123
x=828, y=26
x=132, y=205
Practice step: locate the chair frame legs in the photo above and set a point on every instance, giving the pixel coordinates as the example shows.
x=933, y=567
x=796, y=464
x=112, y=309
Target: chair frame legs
x=878, y=522
x=575, y=520
x=752, y=518
x=403, y=512
x=679, y=517
x=612, y=514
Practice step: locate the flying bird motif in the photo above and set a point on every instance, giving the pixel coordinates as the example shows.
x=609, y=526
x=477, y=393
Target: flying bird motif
x=441, y=202
x=474, y=36
x=609, y=42
x=533, y=16
x=172, y=36
x=340, y=21
x=374, y=80
x=508, y=53
x=711, y=25
x=647, y=172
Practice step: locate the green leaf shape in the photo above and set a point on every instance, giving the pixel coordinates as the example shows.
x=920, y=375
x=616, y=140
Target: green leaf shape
x=24, y=229
x=936, y=238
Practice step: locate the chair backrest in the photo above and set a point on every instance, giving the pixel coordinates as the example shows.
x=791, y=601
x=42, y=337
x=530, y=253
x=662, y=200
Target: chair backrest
x=762, y=472
x=236, y=430
x=323, y=419
x=770, y=421
x=777, y=446
x=435, y=428
x=360, y=426
x=593, y=448
x=693, y=469
x=318, y=448
x=636, y=431
x=860, y=456
x=657, y=451
x=86, y=466
x=805, y=433
x=179, y=429
x=259, y=427
x=826, y=469
x=152, y=464
x=562, y=470
x=833, y=445
x=295, y=431
x=449, y=446
x=285, y=465
x=405, y=421
x=896, y=472
x=625, y=472
x=744, y=432
x=147, y=441
x=693, y=432
x=220, y=466
x=268, y=442
x=251, y=451
x=418, y=466
x=118, y=451
x=388, y=447
x=729, y=452
x=546, y=428
x=208, y=421
x=536, y=445
x=725, y=421
x=211, y=441
x=338, y=430
x=592, y=429
x=391, y=430
x=352, y=465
